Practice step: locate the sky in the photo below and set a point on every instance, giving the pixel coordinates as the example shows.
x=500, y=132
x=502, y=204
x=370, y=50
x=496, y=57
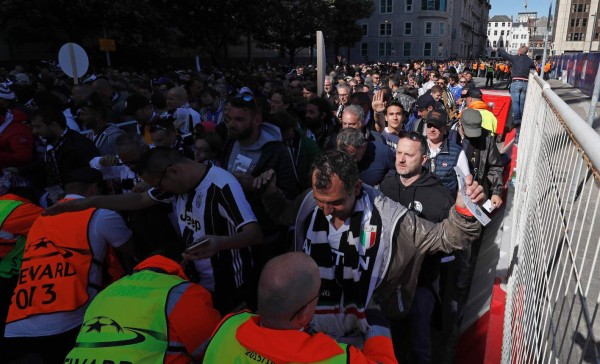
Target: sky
x=512, y=7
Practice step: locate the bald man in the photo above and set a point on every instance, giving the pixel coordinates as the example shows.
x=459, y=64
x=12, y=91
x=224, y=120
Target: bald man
x=287, y=297
x=177, y=105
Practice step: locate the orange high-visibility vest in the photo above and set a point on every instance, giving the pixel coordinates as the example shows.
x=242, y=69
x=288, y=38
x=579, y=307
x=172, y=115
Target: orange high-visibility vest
x=55, y=268
x=16, y=217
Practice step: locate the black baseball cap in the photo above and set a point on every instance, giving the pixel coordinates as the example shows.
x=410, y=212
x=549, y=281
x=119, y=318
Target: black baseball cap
x=437, y=117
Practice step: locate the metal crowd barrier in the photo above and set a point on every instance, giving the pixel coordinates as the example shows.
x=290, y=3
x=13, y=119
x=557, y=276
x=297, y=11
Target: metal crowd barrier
x=553, y=289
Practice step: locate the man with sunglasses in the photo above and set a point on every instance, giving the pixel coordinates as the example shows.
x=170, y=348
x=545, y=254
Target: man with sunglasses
x=365, y=244
x=287, y=297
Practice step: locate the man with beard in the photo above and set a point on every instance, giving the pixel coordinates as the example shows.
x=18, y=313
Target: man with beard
x=318, y=123
x=255, y=147
x=95, y=115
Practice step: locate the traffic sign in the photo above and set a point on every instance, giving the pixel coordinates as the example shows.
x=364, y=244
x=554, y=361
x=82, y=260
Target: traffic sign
x=107, y=45
x=73, y=60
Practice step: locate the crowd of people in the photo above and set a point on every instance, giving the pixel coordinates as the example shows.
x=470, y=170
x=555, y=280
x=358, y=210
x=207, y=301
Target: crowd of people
x=150, y=216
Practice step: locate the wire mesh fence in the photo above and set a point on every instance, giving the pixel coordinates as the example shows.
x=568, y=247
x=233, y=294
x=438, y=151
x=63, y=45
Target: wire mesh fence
x=554, y=278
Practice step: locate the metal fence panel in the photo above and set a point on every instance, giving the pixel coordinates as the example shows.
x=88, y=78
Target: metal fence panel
x=553, y=292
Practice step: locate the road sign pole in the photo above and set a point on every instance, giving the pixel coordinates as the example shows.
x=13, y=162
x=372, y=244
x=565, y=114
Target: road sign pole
x=73, y=63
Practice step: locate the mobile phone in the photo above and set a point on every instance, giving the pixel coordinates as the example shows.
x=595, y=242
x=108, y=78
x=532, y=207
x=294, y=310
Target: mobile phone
x=489, y=206
x=197, y=244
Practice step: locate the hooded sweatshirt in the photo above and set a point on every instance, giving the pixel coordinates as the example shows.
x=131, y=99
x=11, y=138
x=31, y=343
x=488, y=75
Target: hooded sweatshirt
x=268, y=133
x=429, y=199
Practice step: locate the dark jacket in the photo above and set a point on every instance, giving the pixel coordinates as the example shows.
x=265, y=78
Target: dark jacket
x=275, y=155
x=443, y=165
x=303, y=153
x=74, y=151
x=520, y=64
x=376, y=163
x=485, y=163
x=412, y=239
x=427, y=198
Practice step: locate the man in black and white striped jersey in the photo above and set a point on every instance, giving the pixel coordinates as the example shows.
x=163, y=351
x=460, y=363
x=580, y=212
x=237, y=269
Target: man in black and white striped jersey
x=208, y=203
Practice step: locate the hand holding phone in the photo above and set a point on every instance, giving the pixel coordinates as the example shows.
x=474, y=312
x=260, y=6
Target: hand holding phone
x=197, y=244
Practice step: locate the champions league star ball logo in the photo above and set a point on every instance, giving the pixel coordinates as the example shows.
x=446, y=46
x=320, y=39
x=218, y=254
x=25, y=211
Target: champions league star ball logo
x=104, y=332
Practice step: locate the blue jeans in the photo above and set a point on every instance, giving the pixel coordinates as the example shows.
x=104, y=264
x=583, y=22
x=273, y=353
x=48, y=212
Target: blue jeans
x=518, y=91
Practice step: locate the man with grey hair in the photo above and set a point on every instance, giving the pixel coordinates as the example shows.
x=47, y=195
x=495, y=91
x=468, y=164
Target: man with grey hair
x=374, y=159
x=329, y=91
x=343, y=99
x=354, y=117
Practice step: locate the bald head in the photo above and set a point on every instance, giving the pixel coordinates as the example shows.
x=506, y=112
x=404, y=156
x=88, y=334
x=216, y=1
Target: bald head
x=176, y=97
x=286, y=283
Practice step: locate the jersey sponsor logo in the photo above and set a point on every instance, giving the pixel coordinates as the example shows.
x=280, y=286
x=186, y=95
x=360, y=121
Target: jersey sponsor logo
x=190, y=221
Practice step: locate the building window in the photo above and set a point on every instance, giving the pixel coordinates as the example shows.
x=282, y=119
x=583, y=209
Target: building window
x=494, y=45
x=385, y=49
x=408, y=6
x=428, y=26
x=408, y=28
x=495, y=32
x=503, y=24
x=427, y=50
x=438, y=5
x=495, y=25
x=406, y=49
x=385, y=6
x=365, y=29
x=364, y=49
x=489, y=32
x=440, y=49
x=502, y=32
x=442, y=28
x=385, y=29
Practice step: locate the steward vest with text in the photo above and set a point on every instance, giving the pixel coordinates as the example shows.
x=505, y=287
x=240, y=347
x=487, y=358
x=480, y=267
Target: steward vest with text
x=127, y=322
x=224, y=346
x=55, y=268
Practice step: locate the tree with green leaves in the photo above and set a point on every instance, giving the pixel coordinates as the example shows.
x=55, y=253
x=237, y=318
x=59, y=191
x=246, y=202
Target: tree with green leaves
x=290, y=25
x=342, y=29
